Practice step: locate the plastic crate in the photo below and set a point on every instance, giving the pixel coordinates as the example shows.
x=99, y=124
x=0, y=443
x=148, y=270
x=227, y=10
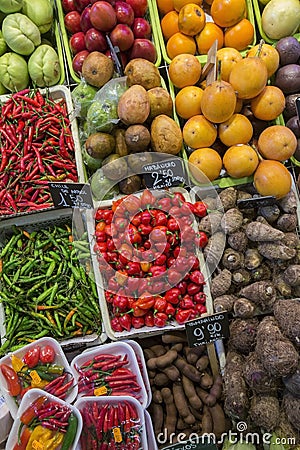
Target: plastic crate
x=65, y=38
x=202, y=58
x=144, y=331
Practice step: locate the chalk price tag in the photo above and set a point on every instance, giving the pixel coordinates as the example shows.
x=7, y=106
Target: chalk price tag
x=256, y=202
x=71, y=195
x=164, y=174
x=193, y=444
x=207, y=329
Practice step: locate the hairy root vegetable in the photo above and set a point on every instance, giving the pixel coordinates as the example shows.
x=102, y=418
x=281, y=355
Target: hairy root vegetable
x=243, y=335
x=281, y=285
x=276, y=250
x=232, y=220
x=221, y=283
x=241, y=277
x=253, y=259
x=285, y=429
x=264, y=411
x=238, y=241
x=244, y=308
x=288, y=204
x=262, y=293
x=232, y=259
x=257, y=378
x=214, y=248
x=291, y=240
x=291, y=275
x=263, y=272
x=228, y=198
x=275, y=352
x=287, y=314
x=270, y=213
x=287, y=222
x=292, y=383
x=211, y=223
x=224, y=303
x=236, y=403
x=291, y=406
x=260, y=232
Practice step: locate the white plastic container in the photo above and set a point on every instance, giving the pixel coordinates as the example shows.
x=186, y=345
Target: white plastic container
x=142, y=365
x=114, y=348
x=5, y=420
x=27, y=400
x=84, y=401
x=152, y=445
x=60, y=359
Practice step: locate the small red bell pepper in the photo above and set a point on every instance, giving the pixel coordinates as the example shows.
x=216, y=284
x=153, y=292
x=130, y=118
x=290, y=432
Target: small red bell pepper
x=197, y=277
x=202, y=239
x=186, y=302
x=138, y=322
x=173, y=295
x=32, y=356
x=160, y=319
x=200, y=209
x=183, y=315
x=146, y=301
x=193, y=288
x=115, y=324
x=200, y=298
x=149, y=319
x=147, y=199
x=160, y=305
x=170, y=310
x=125, y=322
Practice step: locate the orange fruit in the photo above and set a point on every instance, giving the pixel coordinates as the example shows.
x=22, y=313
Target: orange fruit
x=165, y=6
x=240, y=160
x=239, y=105
x=269, y=55
x=269, y=104
x=236, y=130
x=178, y=4
x=207, y=37
x=249, y=77
x=227, y=56
x=191, y=19
x=180, y=43
x=240, y=35
x=272, y=178
x=188, y=101
x=277, y=142
x=218, y=101
x=169, y=24
x=199, y=132
x=227, y=13
x=205, y=164
x=209, y=2
x=184, y=70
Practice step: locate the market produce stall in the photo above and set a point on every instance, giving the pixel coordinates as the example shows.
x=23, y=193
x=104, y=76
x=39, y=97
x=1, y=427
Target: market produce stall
x=149, y=224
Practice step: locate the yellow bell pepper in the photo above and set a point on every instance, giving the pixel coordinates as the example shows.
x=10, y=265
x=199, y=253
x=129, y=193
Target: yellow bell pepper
x=17, y=363
x=40, y=435
x=55, y=442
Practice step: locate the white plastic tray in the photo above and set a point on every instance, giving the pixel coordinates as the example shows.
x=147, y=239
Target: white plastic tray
x=113, y=348
x=143, y=331
x=27, y=400
x=60, y=360
x=152, y=445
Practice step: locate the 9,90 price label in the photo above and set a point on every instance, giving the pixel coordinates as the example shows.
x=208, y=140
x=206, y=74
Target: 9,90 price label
x=207, y=329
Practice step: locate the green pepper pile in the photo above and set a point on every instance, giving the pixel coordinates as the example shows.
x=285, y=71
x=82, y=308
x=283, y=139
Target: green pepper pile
x=44, y=289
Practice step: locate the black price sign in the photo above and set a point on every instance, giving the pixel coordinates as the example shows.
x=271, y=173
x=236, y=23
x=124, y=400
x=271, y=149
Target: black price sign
x=193, y=444
x=71, y=195
x=207, y=329
x=164, y=174
x=256, y=202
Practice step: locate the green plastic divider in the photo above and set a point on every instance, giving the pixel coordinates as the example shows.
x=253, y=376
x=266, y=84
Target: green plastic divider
x=202, y=58
x=68, y=52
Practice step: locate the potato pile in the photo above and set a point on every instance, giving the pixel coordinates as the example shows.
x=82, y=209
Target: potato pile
x=262, y=371
x=185, y=398
x=255, y=252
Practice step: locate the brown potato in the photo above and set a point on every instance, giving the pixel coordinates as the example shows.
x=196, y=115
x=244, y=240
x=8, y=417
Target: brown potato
x=137, y=138
x=134, y=105
x=160, y=102
x=97, y=69
x=166, y=136
x=142, y=72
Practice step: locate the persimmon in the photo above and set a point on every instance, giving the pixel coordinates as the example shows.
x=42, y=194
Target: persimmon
x=191, y=19
x=228, y=56
x=240, y=35
x=178, y=4
x=199, y=132
x=236, y=130
x=207, y=37
x=268, y=54
x=205, y=164
x=169, y=24
x=277, y=142
x=269, y=104
x=226, y=13
x=272, y=178
x=249, y=77
x=165, y=6
x=188, y=102
x=218, y=101
x=184, y=70
x=180, y=43
x=240, y=161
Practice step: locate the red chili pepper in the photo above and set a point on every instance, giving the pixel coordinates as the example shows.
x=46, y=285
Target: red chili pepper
x=13, y=382
x=160, y=319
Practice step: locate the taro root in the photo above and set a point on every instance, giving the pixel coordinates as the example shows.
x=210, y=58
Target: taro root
x=287, y=314
x=253, y=259
x=258, y=232
x=262, y=272
x=291, y=406
x=262, y=293
x=211, y=223
x=276, y=250
x=242, y=335
x=214, y=249
x=236, y=403
x=292, y=383
x=275, y=352
x=265, y=412
x=221, y=283
x=224, y=303
x=244, y=308
x=228, y=198
x=285, y=429
x=238, y=241
x=281, y=285
x=287, y=222
x=232, y=259
x=288, y=204
x=270, y=213
x=232, y=220
x=241, y=277
x=291, y=275
x=291, y=240
x=257, y=378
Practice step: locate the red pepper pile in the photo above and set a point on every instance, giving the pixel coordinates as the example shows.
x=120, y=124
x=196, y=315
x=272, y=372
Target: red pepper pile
x=106, y=426
x=151, y=276
x=106, y=375
x=36, y=146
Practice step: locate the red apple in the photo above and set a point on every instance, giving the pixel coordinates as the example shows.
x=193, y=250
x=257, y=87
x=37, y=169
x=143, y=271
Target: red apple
x=124, y=13
x=81, y=4
x=95, y=40
x=85, y=21
x=68, y=5
x=143, y=48
x=141, y=28
x=139, y=7
x=72, y=22
x=103, y=16
x=122, y=36
x=121, y=55
x=77, y=42
x=112, y=2
x=78, y=60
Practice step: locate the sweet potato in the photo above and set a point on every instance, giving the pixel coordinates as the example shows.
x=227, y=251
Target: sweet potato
x=221, y=283
x=260, y=232
x=264, y=411
x=190, y=392
x=232, y=220
x=182, y=404
x=171, y=411
x=218, y=419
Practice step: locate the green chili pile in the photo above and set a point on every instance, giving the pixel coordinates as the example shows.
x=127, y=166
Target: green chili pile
x=44, y=289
